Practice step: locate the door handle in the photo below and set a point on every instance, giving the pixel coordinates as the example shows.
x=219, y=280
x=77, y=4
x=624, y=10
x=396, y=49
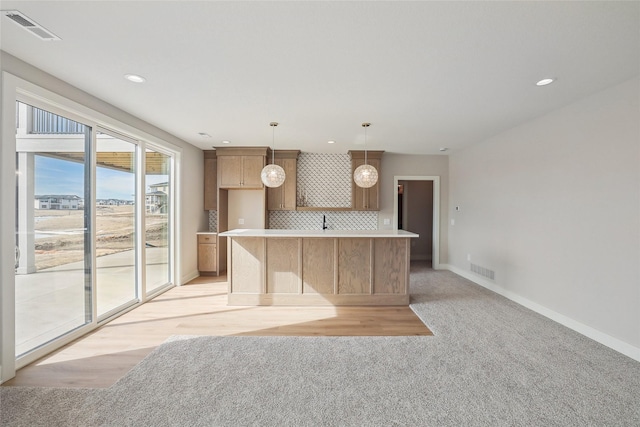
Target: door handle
x=17, y=257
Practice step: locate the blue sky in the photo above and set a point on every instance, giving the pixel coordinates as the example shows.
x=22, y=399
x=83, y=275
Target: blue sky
x=54, y=176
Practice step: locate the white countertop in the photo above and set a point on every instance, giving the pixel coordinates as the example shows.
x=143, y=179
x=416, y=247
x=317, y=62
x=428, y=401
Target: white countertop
x=206, y=232
x=317, y=233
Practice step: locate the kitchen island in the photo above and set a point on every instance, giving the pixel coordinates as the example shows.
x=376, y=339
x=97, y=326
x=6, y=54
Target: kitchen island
x=318, y=267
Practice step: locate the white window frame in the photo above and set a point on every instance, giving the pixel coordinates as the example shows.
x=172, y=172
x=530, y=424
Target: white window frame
x=16, y=89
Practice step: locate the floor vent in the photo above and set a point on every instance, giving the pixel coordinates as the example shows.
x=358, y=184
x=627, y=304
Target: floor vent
x=489, y=274
x=30, y=25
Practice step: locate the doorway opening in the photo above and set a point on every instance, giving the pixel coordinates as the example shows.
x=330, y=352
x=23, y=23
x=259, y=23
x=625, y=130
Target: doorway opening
x=416, y=209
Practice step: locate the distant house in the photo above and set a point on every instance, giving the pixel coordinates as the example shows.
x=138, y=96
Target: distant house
x=58, y=202
x=113, y=202
x=156, y=199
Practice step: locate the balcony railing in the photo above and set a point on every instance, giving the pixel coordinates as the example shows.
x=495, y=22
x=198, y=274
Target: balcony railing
x=44, y=122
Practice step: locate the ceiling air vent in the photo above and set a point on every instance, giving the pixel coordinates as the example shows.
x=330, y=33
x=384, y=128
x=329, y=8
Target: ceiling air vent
x=30, y=25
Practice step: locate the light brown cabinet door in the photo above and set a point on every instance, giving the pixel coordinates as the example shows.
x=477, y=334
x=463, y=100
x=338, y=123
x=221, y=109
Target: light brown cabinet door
x=274, y=195
x=251, y=168
x=210, y=184
x=207, y=257
x=283, y=198
x=230, y=171
x=240, y=171
x=289, y=188
x=365, y=199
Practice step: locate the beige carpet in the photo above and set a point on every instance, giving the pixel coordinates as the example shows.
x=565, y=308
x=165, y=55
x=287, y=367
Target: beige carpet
x=490, y=363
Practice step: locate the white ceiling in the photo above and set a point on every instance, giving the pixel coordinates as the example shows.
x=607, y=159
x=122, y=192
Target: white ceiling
x=425, y=74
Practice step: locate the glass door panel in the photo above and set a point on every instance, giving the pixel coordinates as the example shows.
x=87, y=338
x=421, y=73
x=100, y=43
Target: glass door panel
x=115, y=224
x=53, y=268
x=157, y=219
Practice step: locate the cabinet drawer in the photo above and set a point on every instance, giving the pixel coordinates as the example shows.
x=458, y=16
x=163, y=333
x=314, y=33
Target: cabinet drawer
x=207, y=238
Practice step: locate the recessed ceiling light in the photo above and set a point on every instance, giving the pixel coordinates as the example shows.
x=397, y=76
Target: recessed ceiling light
x=443, y=149
x=204, y=134
x=135, y=78
x=226, y=142
x=545, y=82
x=331, y=142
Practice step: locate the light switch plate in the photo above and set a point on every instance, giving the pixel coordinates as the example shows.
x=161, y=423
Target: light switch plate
x=386, y=221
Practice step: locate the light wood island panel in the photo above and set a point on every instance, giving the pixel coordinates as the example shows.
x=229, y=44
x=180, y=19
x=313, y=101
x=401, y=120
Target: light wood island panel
x=354, y=261
x=283, y=265
x=318, y=266
x=389, y=271
x=248, y=253
x=338, y=269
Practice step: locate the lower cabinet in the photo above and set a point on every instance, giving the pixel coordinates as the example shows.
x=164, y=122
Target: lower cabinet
x=207, y=254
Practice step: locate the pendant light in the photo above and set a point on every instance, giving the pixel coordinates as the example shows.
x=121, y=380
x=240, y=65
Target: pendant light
x=365, y=175
x=273, y=175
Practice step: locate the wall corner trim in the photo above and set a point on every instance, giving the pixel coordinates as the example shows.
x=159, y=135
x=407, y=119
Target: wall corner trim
x=598, y=336
x=189, y=277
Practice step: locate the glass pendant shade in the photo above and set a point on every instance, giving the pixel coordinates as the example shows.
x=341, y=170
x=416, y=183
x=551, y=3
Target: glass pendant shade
x=365, y=176
x=272, y=176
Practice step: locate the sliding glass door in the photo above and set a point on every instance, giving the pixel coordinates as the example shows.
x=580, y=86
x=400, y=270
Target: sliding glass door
x=93, y=226
x=158, y=215
x=53, y=283
x=116, y=229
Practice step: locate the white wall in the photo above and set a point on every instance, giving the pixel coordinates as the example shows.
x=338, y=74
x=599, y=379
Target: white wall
x=248, y=205
x=193, y=216
x=553, y=207
x=414, y=165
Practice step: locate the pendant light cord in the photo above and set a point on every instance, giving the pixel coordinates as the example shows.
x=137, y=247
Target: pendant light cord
x=365, y=126
x=273, y=142
x=365, y=145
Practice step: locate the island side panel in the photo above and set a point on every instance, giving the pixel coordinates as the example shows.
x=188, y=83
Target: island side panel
x=318, y=266
x=354, y=266
x=390, y=266
x=248, y=256
x=283, y=268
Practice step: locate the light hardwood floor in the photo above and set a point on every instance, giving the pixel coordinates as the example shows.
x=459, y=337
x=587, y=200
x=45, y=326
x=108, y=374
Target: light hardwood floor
x=100, y=358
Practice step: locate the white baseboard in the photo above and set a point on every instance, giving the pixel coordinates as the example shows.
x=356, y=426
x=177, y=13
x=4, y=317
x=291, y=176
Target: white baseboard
x=189, y=277
x=604, y=339
x=441, y=267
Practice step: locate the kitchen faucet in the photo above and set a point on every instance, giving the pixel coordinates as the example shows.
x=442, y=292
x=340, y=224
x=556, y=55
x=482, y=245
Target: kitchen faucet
x=324, y=222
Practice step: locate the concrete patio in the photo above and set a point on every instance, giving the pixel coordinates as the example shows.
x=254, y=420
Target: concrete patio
x=51, y=302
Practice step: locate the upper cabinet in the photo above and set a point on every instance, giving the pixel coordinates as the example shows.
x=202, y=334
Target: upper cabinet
x=366, y=199
x=283, y=198
x=210, y=181
x=240, y=167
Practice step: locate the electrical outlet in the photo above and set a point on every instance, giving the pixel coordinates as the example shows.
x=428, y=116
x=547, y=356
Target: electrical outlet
x=453, y=221
x=468, y=257
x=241, y=221
x=386, y=221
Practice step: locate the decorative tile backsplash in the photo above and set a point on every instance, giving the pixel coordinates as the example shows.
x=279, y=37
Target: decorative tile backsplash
x=336, y=220
x=324, y=180
x=213, y=221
